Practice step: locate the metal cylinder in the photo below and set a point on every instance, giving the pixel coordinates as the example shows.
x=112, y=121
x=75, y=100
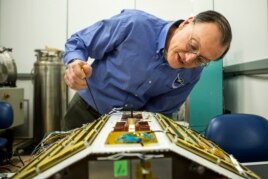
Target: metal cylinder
x=8, y=68
x=50, y=92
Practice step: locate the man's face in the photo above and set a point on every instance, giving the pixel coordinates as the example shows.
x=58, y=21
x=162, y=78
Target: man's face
x=194, y=45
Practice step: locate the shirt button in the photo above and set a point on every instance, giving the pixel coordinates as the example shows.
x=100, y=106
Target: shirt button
x=150, y=82
x=125, y=105
x=136, y=95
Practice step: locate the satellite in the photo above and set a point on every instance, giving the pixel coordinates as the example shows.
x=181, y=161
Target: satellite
x=132, y=144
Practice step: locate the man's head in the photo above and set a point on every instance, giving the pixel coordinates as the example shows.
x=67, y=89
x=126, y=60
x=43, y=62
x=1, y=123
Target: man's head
x=198, y=40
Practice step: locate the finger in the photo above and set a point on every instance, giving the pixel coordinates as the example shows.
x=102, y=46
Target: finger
x=87, y=69
x=75, y=85
x=74, y=81
x=77, y=71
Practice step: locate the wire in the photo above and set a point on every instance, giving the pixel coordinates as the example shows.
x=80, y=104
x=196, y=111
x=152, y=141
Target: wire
x=142, y=156
x=4, y=168
x=92, y=95
x=21, y=160
x=90, y=91
x=11, y=163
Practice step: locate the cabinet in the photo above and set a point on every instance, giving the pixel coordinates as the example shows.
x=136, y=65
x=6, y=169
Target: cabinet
x=14, y=96
x=249, y=22
x=206, y=99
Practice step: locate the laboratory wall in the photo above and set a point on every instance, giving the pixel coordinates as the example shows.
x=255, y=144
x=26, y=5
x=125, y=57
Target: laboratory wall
x=249, y=21
x=246, y=93
x=26, y=25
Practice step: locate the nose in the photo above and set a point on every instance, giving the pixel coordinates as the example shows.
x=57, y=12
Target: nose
x=190, y=57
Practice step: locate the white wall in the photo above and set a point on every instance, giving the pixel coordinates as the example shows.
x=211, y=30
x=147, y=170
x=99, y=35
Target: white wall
x=249, y=21
x=0, y=18
x=247, y=94
x=174, y=9
x=82, y=13
x=32, y=24
x=26, y=25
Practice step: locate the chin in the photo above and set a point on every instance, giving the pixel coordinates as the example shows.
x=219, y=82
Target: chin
x=173, y=63
x=175, y=66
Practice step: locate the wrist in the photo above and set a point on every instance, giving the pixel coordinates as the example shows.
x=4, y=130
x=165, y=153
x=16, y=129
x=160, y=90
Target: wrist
x=71, y=61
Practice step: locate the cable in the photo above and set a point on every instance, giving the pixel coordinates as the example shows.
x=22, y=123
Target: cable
x=21, y=160
x=11, y=163
x=4, y=168
x=92, y=95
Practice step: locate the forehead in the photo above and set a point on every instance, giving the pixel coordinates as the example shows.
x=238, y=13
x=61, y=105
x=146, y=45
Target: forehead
x=210, y=30
x=209, y=37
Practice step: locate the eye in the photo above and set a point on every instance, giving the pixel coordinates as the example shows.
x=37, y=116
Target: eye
x=192, y=47
x=198, y=60
x=201, y=61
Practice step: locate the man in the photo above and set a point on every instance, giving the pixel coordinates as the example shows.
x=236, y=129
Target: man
x=141, y=62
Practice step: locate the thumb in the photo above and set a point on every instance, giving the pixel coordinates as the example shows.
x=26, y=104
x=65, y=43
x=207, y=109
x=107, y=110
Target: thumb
x=87, y=69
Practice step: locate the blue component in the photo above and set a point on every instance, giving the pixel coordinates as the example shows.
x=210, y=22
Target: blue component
x=147, y=136
x=6, y=115
x=129, y=138
x=6, y=120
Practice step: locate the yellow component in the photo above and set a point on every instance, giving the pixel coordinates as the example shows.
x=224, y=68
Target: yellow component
x=115, y=136
x=71, y=144
x=51, y=49
x=143, y=170
x=131, y=121
x=198, y=145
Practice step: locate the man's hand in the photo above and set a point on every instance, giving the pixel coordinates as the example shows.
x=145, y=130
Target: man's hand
x=76, y=73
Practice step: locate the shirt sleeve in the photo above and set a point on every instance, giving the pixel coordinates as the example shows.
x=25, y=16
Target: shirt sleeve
x=96, y=40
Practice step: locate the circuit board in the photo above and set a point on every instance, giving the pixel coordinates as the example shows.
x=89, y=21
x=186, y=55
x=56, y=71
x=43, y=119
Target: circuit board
x=131, y=129
x=125, y=134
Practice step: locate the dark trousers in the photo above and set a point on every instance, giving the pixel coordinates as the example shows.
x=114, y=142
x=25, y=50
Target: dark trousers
x=79, y=113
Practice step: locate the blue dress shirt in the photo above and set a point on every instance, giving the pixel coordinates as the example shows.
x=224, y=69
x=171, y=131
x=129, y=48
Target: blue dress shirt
x=129, y=69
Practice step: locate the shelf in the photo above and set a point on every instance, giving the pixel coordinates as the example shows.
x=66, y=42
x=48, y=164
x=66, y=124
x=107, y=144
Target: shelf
x=249, y=68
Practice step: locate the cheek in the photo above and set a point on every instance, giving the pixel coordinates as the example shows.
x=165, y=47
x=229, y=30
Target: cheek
x=172, y=61
x=177, y=44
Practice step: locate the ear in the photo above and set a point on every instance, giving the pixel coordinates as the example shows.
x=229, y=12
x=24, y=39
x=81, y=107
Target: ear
x=186, y=22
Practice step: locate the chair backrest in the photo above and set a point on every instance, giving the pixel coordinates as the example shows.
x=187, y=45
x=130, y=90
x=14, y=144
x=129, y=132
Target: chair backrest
x=6, y=115
x=245, y=136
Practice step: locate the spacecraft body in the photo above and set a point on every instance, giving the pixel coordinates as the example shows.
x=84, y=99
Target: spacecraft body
x=129, y=144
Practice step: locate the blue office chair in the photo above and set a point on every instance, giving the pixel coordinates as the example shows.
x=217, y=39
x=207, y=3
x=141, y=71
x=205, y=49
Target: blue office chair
x=6, y=120
x=245, y=136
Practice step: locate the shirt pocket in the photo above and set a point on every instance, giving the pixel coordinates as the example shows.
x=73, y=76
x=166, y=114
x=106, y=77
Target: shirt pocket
x=143, y=88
